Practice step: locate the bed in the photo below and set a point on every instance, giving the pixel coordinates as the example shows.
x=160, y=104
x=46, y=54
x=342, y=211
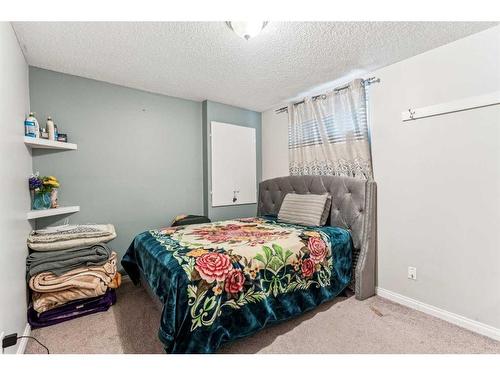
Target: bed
x=222, y=281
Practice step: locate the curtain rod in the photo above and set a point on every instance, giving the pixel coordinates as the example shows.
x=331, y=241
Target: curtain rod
x=366, y=82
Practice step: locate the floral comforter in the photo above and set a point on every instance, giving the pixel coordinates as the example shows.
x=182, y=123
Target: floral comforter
x=226, y=280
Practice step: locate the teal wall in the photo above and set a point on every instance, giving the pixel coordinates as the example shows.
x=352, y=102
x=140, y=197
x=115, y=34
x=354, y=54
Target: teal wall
x=139, y=158
x=142, y=158
x=213, y=111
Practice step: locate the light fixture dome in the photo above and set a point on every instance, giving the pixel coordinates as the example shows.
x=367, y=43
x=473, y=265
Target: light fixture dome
x=247, y=29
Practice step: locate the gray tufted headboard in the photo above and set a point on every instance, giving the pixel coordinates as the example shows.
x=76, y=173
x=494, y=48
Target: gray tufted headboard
x=353, y=207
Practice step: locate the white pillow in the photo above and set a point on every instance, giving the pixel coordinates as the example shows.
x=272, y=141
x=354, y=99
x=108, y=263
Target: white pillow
x=305, y=209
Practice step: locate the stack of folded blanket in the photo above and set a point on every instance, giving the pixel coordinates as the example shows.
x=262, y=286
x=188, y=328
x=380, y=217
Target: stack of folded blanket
x=71, y=272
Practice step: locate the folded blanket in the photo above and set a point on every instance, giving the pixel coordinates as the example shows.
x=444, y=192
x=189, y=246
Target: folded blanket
x=61, y=261
x=95, y=278
x=71, y=310
x=62, y=241
x=46, y=301
x=69, y=232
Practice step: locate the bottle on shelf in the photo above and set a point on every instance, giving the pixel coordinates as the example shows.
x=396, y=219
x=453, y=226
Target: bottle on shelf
x=44, y=134
x=31, y=127
x=51, y=129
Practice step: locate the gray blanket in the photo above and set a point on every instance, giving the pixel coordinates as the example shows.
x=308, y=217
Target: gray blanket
x=61, y=261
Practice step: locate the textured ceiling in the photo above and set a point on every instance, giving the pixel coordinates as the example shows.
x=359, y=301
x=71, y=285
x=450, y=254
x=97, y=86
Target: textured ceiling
x=206, y=60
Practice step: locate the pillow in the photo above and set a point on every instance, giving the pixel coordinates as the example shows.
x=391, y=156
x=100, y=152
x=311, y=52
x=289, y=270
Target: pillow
x=305, y=209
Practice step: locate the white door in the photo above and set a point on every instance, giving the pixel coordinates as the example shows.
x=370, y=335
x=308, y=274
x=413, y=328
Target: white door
x=234, y=164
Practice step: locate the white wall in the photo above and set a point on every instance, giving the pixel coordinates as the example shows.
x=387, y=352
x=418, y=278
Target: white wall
x=438, y=178
x=15, y=166
x=274, y=144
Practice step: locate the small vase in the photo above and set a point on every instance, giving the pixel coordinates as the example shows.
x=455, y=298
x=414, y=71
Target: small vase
x=41, y=201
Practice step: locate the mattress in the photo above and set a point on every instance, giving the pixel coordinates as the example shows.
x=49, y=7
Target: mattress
x=221, y=281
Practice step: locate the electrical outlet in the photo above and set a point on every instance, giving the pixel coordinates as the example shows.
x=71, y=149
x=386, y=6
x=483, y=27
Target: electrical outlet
x=412, y=273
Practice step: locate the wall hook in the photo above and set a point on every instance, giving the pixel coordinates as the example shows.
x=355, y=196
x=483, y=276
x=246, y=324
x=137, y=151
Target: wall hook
x=234, y=195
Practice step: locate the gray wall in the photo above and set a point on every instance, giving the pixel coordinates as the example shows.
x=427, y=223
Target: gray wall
x=139, y=159
x=213, y=111
x=15, y=167
x=439, y=179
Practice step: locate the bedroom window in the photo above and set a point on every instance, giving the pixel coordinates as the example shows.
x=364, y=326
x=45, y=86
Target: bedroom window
x=329, y=135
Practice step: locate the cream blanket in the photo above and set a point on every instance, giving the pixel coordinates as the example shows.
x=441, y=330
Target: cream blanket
x=51, y=291
x=68, y=232
x=46, y=301
x=86, y=235
x=85, y=278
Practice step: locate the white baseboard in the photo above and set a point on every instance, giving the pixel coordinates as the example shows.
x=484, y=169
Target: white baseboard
x=24, y=341
x=459, y=320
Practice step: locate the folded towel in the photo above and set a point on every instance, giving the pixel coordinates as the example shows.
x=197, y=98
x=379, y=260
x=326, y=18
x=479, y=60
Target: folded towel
x=95, y=278
x=71, y=310
x=61, y=261
x=63, y=240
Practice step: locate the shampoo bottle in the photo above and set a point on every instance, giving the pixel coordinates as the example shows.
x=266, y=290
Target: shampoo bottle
x=51, y=129
x=31, y=127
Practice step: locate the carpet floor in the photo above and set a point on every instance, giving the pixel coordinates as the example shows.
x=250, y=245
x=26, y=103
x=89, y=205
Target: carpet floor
x=343, y=326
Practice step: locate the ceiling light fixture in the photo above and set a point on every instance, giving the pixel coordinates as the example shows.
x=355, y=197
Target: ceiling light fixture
x=247, y=30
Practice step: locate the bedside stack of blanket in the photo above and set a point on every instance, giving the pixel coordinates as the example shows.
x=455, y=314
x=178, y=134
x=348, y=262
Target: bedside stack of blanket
x=71, y=272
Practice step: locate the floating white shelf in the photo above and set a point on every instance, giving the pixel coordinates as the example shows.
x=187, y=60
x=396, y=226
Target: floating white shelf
x=45, y=143
x=450, y=107
x=35, y=214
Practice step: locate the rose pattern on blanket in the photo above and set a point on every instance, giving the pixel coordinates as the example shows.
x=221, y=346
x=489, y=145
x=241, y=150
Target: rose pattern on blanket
x=221, y=278
x=247, y=233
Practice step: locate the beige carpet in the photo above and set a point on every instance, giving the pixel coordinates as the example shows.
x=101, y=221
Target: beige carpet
x=341, y=326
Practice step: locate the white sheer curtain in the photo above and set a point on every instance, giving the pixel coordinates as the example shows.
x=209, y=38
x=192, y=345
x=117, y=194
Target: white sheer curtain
x=328, y=135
